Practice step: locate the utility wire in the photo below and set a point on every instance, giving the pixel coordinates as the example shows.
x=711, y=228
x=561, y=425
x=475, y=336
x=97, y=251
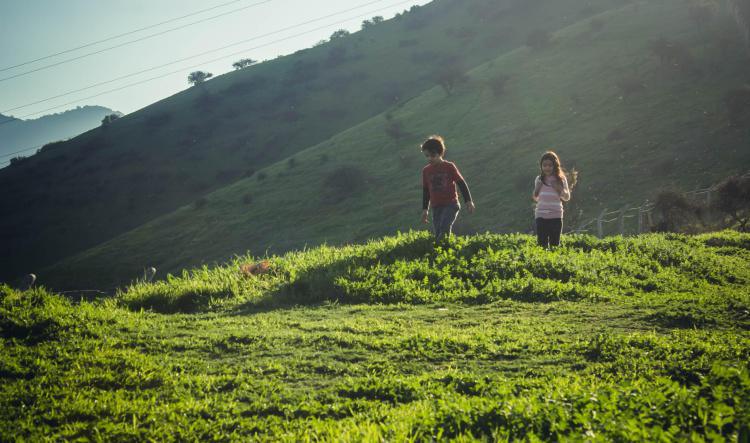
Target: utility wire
x=211, y=61
x=190, y=57
x=131, y=41
x=120, y=35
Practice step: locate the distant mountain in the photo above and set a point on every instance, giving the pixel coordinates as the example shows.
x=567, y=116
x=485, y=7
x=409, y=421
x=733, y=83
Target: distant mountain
x=16, y=134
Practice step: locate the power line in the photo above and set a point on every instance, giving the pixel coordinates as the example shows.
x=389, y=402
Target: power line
x=190, y=57
x=209, y=61
x=120, y=35
x=131, y=41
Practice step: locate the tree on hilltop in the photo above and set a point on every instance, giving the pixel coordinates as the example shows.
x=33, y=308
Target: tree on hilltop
x=198, y=77
x=244, y=63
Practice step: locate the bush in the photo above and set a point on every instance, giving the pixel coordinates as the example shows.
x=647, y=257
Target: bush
x=344, y=182
x=247, y=198
x=450, y=74
x=108, y=119
x=733, y=200
x=675, y=213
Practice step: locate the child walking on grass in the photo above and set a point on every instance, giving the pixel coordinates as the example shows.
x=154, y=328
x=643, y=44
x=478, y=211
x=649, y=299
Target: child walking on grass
x=550, y=190
x=439, y=180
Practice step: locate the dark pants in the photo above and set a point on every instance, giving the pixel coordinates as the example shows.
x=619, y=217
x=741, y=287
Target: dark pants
x=443, y=218
x=548, y=231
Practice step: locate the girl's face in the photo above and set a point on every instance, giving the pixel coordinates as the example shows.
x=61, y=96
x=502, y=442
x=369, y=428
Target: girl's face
x=548, y=166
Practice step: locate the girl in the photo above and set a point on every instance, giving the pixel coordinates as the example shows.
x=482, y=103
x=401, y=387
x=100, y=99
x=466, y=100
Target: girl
x=550, y=190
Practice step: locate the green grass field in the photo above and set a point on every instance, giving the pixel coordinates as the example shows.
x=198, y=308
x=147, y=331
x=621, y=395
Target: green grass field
x=484, y=337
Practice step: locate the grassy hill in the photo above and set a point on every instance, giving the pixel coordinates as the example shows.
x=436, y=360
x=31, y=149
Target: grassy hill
x=484, y=337
x=575, y=96
x=78, y=194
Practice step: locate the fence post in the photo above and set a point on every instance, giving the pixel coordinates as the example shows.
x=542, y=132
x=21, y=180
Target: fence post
x=599, y=227
x=623, y=210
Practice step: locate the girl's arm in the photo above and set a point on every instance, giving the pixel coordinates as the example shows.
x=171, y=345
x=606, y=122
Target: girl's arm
x=537, y=188
x=564, y=191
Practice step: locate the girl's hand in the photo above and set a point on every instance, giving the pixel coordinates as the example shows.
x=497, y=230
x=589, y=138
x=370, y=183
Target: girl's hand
x=425, y=220
x=558, y=186
x=470, y=206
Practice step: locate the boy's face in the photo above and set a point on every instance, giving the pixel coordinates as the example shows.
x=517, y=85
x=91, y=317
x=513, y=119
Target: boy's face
x=432, y=158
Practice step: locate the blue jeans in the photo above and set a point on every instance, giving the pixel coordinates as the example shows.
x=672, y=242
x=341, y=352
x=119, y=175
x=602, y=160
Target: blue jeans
x=443, y=218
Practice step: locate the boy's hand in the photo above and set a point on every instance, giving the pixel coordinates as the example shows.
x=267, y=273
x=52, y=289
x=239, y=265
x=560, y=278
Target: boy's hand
x=424, y=217
x=470, y=206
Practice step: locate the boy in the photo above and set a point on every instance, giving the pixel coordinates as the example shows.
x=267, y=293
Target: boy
x=439, y=180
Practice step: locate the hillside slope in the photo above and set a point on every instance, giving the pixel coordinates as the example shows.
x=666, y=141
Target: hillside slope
x=671, y=131
x=78, y=194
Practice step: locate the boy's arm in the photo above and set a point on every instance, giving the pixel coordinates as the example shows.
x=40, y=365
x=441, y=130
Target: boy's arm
x=464, y=190
x=425, y=198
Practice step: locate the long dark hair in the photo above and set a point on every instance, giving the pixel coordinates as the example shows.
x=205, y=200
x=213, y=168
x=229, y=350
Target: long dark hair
x=558, y=170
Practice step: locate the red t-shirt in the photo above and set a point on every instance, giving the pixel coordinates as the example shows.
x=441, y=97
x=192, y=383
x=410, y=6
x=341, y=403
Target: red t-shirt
x=440, y=179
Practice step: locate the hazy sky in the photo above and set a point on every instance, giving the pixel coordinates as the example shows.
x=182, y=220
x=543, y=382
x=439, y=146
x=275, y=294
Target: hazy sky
x=31, y=29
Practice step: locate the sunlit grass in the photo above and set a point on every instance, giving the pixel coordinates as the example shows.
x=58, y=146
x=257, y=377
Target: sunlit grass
x=398, y=339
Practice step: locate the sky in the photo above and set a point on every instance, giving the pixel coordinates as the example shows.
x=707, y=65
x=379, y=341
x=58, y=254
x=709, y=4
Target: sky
x=33, y=29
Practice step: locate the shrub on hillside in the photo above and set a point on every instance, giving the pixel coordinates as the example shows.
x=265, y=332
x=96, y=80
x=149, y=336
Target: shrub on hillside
x=675, y=212
x=247, y=198
x=108, y=119
x=243, y=63
x=733, y=200
x=344, y=182
x=449, y=74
